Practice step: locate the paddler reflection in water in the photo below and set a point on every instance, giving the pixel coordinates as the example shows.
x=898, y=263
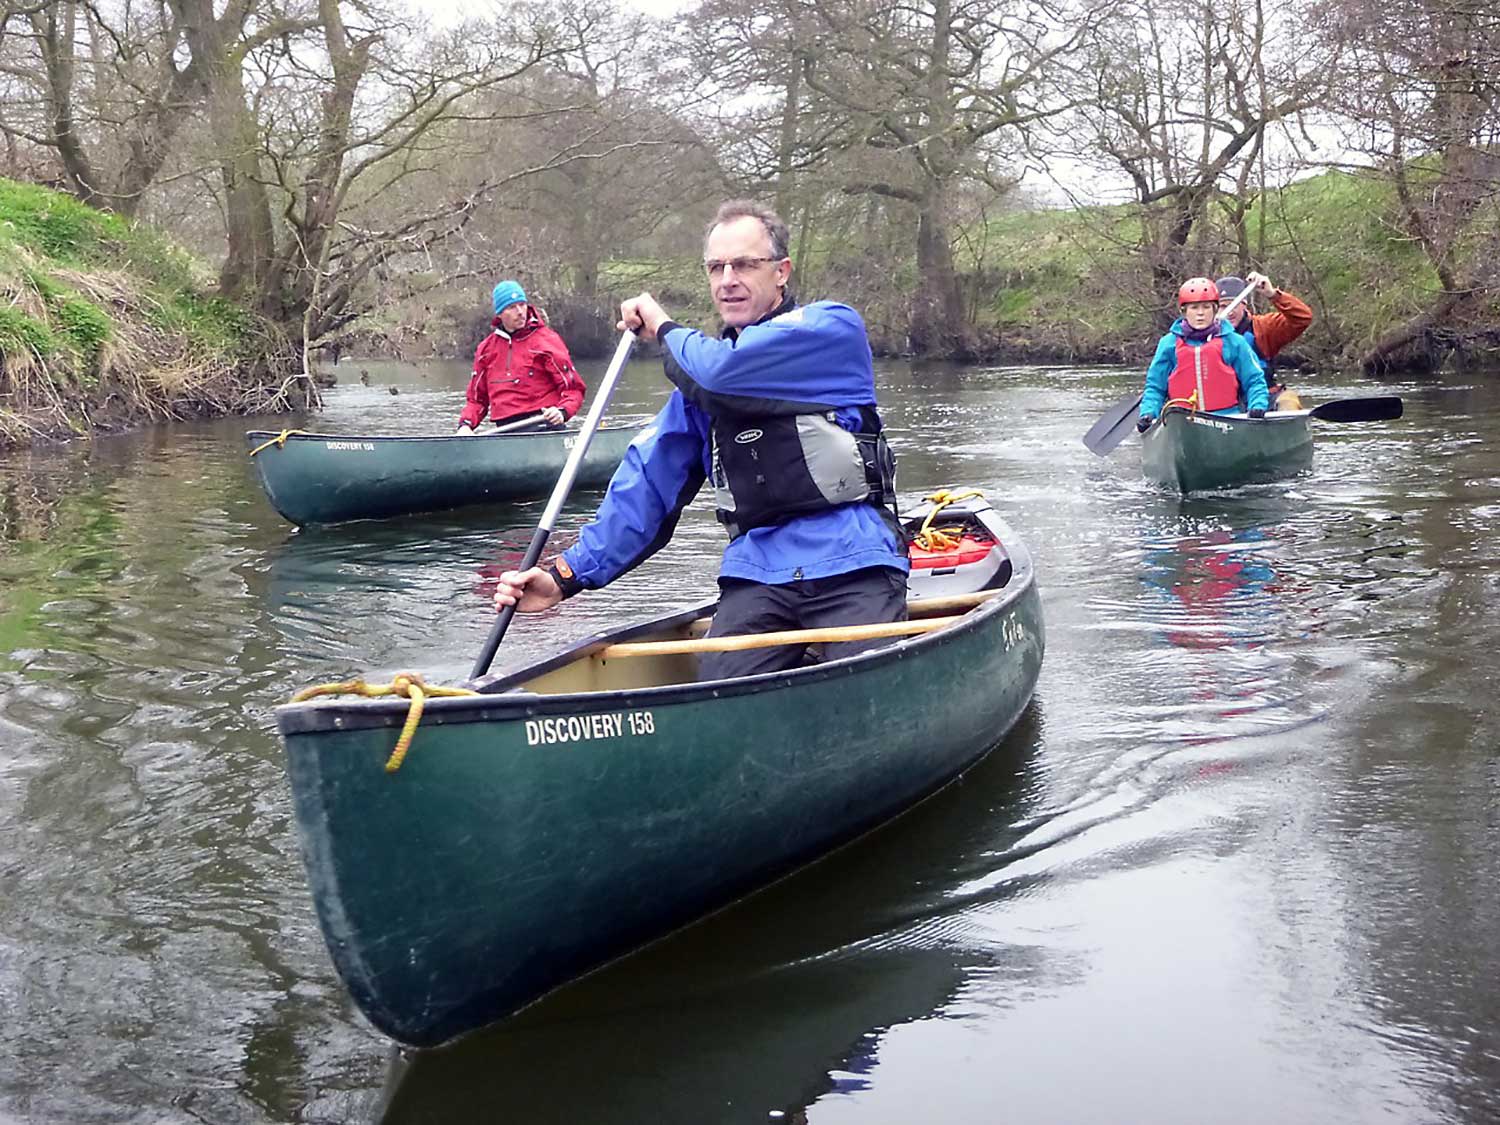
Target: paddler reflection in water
x=780, y=411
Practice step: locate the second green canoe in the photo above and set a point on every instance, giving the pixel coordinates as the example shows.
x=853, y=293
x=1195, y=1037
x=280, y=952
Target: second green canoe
x=1193, y=452
x=328, y=478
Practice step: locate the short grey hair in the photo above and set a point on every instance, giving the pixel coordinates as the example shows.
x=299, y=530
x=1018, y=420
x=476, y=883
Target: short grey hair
x=775, y=226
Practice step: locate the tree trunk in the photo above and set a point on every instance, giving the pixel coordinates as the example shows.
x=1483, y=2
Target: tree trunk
x=289, y=291
x=250, y=238
x=937, y=308
x=787, y=138
x=1407, y=347
x=938, y=327
x=586, y=276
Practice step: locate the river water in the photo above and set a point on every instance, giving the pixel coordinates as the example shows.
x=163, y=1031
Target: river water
x=1239, y=862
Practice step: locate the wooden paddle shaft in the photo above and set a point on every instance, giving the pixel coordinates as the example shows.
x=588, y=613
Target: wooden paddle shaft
x=915, y=607
x=773, y=640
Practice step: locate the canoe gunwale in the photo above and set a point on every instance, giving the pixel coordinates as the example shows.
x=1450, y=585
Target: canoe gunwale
x=498, y=700
x=256, y=437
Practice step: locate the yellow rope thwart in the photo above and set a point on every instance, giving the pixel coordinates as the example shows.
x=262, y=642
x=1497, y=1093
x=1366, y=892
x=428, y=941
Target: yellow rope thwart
x=279, y=440
x=930, y=538
x=408, y=685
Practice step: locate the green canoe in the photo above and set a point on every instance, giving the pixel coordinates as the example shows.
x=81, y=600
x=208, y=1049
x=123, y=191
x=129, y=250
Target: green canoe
x=326, y=478
x=585, y=805
x=1193, y=452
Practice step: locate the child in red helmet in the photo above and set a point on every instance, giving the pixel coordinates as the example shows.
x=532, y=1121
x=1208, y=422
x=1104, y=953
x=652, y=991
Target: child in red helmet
x=1202, y=361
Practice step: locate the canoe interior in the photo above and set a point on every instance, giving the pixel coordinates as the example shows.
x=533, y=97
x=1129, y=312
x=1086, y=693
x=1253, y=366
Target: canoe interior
x=590, y=671
x=934, y=591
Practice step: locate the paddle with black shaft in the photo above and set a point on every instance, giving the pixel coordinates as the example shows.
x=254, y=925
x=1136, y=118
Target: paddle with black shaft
x=559, y=494
x=1373, y=408
x=1116, y=423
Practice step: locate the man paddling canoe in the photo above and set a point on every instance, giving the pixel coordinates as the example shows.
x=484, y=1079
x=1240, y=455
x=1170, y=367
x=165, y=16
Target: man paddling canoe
x=521, y=368
x=780, y=412
x=1267, y=333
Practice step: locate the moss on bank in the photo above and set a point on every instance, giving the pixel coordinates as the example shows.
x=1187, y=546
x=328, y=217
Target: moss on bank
x=105, y=323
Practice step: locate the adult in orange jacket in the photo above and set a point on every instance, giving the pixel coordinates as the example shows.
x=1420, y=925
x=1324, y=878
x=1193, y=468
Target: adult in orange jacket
x=522, y=367
x=1267, y=333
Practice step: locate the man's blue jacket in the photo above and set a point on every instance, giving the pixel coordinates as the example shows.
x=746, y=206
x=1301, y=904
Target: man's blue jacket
x=1237, y=353
x=816, y=354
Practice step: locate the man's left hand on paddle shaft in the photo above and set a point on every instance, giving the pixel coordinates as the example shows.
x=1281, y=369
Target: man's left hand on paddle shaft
x=1262, y=282
x=642, y=315
x=530, y=591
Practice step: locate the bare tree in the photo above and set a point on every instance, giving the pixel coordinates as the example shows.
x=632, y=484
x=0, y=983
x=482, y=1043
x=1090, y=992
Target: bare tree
x=1422, y=102
x=902, y=101
x=108, y=88
x=1181, y=102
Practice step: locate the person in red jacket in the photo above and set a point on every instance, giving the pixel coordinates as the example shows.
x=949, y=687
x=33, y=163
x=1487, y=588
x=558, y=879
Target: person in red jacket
x=520, y=368
x=1267, y=333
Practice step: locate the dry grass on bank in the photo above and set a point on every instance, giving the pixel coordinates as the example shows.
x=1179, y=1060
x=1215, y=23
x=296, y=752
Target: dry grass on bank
x=104, y=325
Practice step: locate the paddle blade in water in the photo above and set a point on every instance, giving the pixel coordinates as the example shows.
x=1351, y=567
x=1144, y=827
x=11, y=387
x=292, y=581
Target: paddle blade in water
x=1114, y=425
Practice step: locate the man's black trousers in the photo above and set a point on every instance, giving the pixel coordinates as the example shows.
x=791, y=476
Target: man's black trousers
x=860, y=597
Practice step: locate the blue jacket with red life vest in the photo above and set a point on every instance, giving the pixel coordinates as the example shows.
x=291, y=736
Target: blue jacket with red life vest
x=816, y=353
x=1230, y=373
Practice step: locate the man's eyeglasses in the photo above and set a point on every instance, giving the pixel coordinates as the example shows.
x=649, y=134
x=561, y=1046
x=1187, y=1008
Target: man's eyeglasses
x=715, y=266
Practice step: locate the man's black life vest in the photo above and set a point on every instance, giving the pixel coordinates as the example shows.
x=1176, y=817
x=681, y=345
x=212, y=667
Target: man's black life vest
x=769, y=468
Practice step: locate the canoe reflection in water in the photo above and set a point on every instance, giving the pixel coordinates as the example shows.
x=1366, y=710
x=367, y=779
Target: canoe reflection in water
x=780, y=1002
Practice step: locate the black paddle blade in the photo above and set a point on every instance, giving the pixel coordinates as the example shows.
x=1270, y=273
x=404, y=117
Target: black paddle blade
x=1376, y=408
x=1114, y=425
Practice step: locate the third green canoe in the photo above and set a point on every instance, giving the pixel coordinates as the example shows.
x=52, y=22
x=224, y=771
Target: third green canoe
x=1193, y=452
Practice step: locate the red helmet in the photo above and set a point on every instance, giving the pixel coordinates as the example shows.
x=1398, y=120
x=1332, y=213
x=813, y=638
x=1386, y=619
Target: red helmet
x=1197, y=289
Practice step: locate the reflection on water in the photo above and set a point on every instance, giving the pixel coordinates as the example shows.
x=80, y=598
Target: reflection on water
x=1237, y=864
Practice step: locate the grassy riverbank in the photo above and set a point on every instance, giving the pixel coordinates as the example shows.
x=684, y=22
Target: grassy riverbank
x=1067, y=281
x=105, y=323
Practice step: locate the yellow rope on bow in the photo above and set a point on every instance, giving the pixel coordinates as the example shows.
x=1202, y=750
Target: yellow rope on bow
x=279, y=440
x=1191, y=402
x=930, y=538
x=406, y=684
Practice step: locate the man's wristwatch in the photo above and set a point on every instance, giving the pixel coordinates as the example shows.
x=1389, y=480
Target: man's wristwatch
x=562, y=574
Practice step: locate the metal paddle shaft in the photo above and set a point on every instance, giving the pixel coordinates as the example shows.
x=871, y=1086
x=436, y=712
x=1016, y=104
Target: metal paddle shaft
x=559, y=494
x=1115, y=424
x=515, y=424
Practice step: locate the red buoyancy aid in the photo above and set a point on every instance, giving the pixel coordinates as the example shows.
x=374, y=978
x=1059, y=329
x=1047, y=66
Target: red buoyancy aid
x=1203, y=370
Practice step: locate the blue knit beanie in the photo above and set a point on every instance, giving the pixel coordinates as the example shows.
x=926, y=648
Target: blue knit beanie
x=508, y=293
